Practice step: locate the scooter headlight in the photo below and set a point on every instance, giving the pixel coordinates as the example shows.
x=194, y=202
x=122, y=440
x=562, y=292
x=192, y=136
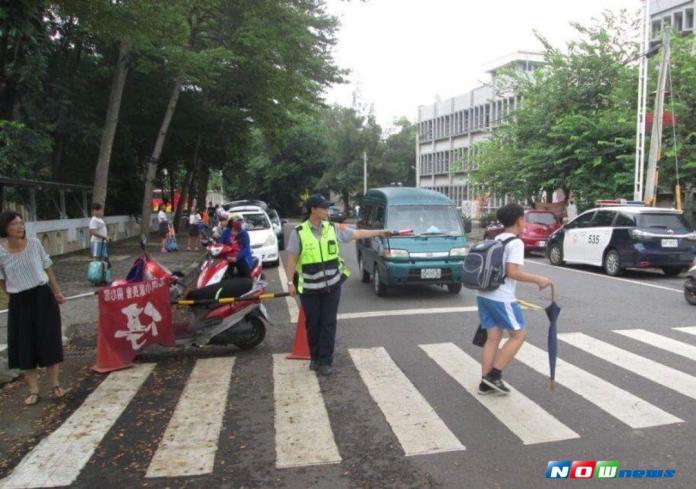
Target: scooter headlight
x=215, y=251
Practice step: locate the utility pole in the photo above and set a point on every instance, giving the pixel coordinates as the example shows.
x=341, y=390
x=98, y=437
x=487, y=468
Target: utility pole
x=656, y=134
x=364, y=172
x=642, y=102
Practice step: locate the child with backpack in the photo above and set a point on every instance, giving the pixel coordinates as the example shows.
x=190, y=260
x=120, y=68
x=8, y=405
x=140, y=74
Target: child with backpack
x=494, y=268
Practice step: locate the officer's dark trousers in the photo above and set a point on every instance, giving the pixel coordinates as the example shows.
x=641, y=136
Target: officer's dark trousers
x=320, y=312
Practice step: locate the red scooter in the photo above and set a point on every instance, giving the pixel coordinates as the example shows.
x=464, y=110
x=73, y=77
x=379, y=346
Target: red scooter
x=204, y=320
x=216, y=267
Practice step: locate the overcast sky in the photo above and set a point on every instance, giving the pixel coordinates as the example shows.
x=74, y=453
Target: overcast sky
x=404, y=53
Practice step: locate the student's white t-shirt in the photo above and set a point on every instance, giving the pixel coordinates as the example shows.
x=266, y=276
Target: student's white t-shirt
x=97, y=224
x=162, y=217
x=194, y=219
x=514, y=253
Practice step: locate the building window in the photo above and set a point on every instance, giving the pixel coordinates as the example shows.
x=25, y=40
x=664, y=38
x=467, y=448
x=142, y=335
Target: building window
x=689, y=19
x=488, y=115
x=666, y=21
x=678, y=21
x=656, y=28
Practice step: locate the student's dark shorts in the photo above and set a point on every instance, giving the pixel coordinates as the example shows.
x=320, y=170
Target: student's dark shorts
x=193, y=230
x=34, y=333
x=163, y=230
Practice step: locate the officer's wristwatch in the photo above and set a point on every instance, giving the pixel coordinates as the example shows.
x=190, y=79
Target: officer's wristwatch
x=291, y=283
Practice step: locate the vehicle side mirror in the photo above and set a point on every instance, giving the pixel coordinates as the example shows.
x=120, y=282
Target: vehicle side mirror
x=467, y=226
x=284, y=221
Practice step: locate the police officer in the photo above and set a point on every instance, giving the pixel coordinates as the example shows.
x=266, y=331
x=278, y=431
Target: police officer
x=315, y=264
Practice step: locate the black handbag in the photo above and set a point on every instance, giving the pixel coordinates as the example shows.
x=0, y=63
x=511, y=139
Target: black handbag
x=480, y=337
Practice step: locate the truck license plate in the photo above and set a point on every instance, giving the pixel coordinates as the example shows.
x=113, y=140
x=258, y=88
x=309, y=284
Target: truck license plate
x=431, y=273
x=670, y=243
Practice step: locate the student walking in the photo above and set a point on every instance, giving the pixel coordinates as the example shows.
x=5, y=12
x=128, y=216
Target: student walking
x=163, y=226
x=498, y=309
x=34, y=334
x=193, y=229
x=99, y=233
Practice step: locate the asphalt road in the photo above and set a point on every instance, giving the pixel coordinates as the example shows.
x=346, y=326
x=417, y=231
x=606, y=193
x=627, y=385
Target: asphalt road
x=399, y=410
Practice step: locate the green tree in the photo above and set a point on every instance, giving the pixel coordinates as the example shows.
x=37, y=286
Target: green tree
x=575, y=125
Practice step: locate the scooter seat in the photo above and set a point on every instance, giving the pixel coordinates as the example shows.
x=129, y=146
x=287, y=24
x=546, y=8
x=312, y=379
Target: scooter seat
x=233, y=287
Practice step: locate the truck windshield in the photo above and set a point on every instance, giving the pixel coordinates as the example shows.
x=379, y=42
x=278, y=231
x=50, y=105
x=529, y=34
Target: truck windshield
x=676, y=222
x=425, y=219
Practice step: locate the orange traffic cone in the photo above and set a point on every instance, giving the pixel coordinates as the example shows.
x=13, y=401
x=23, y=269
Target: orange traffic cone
x=107, y=359
x=300, y=350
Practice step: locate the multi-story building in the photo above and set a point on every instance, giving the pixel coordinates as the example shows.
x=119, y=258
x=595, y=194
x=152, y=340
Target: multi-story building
x=448, y=131
x=677, y=14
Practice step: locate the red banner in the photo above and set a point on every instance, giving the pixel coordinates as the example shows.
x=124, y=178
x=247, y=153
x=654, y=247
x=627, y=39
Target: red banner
x=133, y=316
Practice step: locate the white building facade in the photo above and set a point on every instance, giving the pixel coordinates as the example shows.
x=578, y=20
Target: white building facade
x=677, y=14
x=448, y=131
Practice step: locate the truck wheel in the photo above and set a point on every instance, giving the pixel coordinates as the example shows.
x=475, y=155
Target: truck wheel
x=454, y=288
x=364, y=274
x=380, y=288
x=672, y=271
x=612, y=263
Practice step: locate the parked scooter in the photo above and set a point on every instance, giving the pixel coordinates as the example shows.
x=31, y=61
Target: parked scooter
x=690, y=286
x=242, y=323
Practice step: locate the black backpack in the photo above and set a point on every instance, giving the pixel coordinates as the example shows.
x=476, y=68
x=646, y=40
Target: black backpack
x=483, y=267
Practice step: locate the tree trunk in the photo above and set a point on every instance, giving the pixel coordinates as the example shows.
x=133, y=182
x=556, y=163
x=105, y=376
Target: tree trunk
x=203, y=176
x=151, y=169
x=185, y=186
x=183, y=198
x=101, y=173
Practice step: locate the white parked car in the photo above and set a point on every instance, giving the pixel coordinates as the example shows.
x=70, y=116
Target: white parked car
x=264, y=243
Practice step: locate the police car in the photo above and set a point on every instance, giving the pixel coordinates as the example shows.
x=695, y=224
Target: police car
x=623, y=237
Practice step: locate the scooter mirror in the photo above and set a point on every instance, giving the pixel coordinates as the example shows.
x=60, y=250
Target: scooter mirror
x=143, y=242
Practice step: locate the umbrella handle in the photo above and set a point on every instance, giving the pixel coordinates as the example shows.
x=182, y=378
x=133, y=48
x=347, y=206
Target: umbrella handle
x=553, y=293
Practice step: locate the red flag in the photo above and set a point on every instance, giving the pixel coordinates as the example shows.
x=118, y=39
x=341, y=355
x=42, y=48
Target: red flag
x=135, y=315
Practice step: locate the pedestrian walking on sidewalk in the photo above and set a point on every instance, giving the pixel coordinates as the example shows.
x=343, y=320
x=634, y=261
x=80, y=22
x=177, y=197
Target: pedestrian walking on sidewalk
x=193, y=231
x=498, y=309
x=99, y=233
x=163, y=226
x=34, y=333
x=315, y=265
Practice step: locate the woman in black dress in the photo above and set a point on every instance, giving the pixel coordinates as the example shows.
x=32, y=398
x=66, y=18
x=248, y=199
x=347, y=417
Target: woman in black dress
x=34, y=335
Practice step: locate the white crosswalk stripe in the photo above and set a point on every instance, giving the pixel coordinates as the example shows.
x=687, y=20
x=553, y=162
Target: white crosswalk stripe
x=526, y=419
x=623, y=405
x=668, y=377
x=414, y=422
x=659, y=341
x=303, y=433
x=59, y=458
x=688, y=330
x=191, y=439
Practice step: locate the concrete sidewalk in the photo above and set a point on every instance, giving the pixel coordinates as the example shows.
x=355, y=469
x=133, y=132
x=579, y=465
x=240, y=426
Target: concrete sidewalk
x=71, y=270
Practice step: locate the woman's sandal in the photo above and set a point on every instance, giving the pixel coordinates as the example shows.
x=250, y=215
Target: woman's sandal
x=58, y=392
x=32, y=399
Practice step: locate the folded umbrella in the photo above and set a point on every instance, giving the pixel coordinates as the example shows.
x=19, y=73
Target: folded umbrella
x=553, y=311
